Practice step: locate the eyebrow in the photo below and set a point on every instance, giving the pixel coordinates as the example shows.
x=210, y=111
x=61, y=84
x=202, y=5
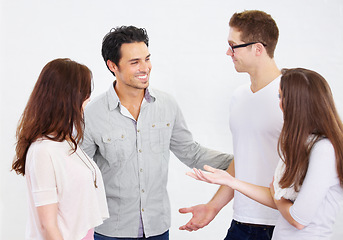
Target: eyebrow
x=137, y=59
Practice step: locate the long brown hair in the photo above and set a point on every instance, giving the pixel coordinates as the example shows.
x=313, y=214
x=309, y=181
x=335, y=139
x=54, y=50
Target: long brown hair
x=309, y=110
x=54, y=108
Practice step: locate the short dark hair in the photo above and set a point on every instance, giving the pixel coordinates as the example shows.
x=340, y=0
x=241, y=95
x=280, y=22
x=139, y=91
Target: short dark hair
x=111, y=44
x=256, y=26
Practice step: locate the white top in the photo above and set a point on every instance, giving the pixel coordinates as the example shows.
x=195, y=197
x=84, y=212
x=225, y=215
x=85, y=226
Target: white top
x=319, y=198
x=287, y=193
x=256, y=121
x=54, y=175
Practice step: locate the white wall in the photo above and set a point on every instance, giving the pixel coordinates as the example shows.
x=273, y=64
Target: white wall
x=188, y=41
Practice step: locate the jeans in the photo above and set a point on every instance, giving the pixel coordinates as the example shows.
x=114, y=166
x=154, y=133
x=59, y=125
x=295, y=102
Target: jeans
x=164, y=236
x=242, y=231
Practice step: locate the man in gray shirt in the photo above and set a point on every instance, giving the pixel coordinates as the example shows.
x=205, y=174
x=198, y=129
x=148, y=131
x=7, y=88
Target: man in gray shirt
x=129, y=132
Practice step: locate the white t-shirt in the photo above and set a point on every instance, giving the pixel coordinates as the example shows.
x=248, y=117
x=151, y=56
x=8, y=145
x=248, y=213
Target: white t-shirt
x=54, y=175
x=318, y=200
x=256, y=121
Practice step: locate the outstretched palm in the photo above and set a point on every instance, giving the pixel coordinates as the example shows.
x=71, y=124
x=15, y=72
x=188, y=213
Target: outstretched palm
x=213, y=175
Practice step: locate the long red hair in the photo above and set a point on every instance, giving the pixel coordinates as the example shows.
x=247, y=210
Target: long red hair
x=54, y=109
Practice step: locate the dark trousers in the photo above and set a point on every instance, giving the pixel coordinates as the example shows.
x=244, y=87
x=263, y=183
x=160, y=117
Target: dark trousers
x=244, y=231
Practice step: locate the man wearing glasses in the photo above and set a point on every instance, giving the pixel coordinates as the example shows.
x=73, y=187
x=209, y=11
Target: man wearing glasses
x=255, y=122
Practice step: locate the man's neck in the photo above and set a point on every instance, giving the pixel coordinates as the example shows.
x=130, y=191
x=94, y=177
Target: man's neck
x=263, y=75
x=130, y=98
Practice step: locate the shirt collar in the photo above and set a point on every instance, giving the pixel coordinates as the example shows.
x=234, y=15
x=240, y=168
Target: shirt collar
x=113, y=99
x=149, y=95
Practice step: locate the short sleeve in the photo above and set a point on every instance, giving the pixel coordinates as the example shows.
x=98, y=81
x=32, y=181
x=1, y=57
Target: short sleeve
x=41, y=176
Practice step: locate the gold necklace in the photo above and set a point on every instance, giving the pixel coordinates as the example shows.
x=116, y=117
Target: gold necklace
x=84, y=154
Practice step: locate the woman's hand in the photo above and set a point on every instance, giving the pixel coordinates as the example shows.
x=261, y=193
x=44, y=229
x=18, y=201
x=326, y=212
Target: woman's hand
x=213, y=175
x=260, y=194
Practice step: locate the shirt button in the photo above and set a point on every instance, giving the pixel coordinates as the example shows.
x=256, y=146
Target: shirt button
x=142, y=209
x=122, y=136
x=140, y=150
x=142, y=190
x=168, y=124
x=109, y=139
x=141, y=170
x=138, y=130
x=153, y=125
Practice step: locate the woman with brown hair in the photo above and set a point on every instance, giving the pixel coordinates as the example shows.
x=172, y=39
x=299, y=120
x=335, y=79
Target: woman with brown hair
x=65, y=189
x=308, y=182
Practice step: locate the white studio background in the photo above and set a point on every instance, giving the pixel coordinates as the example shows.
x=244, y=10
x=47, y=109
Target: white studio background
x=188, y=41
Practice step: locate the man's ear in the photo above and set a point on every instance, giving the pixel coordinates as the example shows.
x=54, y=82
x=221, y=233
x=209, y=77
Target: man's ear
x=112, y=66
x=259, y=49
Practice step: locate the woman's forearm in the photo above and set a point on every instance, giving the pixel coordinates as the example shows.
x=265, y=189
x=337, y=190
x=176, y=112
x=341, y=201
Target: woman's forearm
x=283, y=205
x=258, y=193
x=217, y=176
x=48, y=220
x=52, y=233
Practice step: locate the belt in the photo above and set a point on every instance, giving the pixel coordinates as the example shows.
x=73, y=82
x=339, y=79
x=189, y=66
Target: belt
x=254, y=225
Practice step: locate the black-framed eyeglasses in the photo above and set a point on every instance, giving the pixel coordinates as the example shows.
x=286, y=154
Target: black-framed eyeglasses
x=243, y=45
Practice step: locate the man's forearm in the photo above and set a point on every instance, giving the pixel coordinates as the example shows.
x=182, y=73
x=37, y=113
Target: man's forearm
x=222, y=197
x=224, y=194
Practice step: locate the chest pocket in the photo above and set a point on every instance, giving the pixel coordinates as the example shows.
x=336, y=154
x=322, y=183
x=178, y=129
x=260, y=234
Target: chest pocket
x=118, y=146
x=160, y=134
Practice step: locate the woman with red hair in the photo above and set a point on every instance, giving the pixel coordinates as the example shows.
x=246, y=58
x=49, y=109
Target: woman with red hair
x=65, y=189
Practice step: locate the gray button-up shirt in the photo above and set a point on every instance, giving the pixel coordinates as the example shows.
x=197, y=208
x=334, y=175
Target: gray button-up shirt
x=133, y=157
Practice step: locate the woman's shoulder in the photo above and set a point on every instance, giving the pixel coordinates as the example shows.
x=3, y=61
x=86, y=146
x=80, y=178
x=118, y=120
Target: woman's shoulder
x=45, y=146
x=323, y=145
x=323, y=154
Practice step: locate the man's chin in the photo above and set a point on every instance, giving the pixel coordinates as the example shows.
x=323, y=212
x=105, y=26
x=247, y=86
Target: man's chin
x=142, y=85
x=145, y=84
x=239, y=69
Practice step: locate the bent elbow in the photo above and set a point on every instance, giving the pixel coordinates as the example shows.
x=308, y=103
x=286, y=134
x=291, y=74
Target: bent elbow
x=48, y=228
x=44, y=228
x=298, y=225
